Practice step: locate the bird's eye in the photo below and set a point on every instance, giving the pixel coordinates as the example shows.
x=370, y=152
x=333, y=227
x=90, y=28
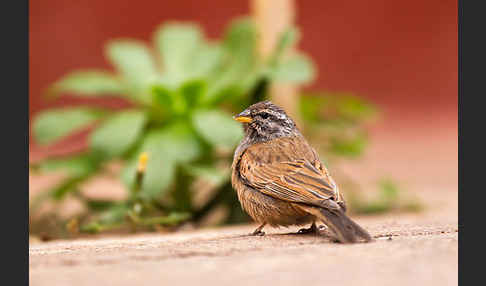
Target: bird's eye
x=264, y=115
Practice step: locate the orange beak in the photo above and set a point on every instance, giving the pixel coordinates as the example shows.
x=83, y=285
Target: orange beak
x=243, y=119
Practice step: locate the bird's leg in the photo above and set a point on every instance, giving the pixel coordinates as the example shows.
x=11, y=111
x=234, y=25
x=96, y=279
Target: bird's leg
x=312, y=229
x=259, y=231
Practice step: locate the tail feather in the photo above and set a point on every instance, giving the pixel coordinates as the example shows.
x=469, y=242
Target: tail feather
x=346, y=230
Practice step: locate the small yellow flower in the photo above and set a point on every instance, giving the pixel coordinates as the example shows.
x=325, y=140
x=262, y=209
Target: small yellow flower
x=142, y=162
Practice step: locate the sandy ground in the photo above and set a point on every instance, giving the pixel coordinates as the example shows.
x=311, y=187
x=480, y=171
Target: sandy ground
x=418, y=249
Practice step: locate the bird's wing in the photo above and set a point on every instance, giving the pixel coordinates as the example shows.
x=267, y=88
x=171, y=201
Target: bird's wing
x=287, y=169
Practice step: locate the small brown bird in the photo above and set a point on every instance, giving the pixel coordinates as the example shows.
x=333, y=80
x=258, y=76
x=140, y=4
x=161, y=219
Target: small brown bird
x=280, y=180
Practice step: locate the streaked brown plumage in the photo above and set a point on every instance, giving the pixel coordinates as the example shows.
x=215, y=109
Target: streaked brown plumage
x=280, y=179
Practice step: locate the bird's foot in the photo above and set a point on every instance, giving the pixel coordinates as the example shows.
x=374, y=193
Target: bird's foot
x=258, y=233
x=313, y=229
x=309, y=230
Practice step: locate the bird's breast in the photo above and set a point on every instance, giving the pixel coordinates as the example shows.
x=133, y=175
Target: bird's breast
x=266, y=209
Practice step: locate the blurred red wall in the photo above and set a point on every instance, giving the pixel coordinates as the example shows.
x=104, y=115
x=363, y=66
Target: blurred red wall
x=402, y=54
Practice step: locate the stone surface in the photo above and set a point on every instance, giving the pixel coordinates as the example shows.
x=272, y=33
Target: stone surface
x=419, y=249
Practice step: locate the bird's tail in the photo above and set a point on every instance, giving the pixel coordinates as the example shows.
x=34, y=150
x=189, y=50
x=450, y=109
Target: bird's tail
x=346, y=230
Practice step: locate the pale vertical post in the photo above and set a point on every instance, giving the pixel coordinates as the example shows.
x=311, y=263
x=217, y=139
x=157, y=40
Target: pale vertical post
x=272, y=18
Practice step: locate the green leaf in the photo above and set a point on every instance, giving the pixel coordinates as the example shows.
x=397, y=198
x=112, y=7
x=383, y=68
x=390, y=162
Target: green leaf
x=349, y=147
x=71, y=183
x=176, y=44
x=163, y=97
x=335, y=107
x=250, y=80
x=158, y=177
x=118, y=133
x=218, y=128
x=134, y=61
x=166, y=147
x=240, y=41
x=210, y=173
x=353, y=107
x=239, y=67
x=96, y=205
x=181, y=100
x=206, y=60
x=192, y=92
x=223, y=89
x=288, y=38
x=68, y=185
x=76, y=166
x=174, y=218
x=88, y=83
x=128, y=173
x=240, y=45
x=311, y=106
x=176, y=141
x=114, y=214
x=321, y=108
x=52, y=125
x=222, y=92
x=111, y=218
x=297, y=69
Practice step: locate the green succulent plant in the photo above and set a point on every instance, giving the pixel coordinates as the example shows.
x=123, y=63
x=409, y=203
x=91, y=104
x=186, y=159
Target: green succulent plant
x=182, y=90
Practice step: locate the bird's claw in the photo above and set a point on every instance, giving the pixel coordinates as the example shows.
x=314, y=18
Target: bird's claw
x=306, y=231
x=258, y=233
x=312, y=229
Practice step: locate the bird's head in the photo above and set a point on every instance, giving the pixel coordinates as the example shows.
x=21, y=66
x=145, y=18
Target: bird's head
x=264, y=121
